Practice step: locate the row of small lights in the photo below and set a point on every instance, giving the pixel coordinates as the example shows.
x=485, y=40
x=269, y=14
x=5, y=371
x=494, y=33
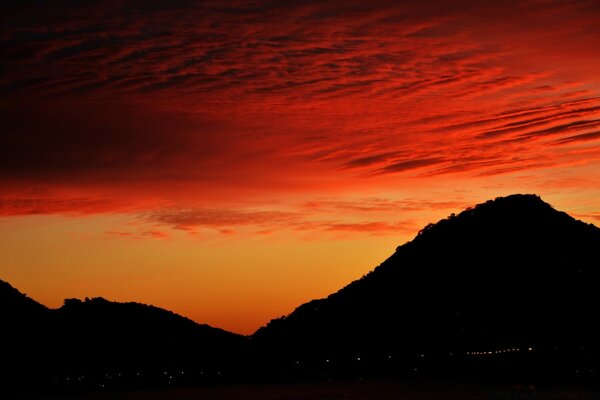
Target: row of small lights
x=166, y=374
x=487, y=353
x=389, y=357
x=471, y=353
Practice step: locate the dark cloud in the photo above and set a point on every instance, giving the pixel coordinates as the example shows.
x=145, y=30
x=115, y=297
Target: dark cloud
x=558, y=129
x=369, y=160
x=410, y=165
x=584, y=137
x=10, y=206
x=523, y=124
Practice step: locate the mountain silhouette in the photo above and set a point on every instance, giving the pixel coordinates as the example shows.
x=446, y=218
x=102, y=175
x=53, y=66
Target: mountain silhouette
x=99, y=343
x=508, y=286
x=504, y=290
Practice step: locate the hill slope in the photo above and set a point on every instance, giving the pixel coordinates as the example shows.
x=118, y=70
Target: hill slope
x=509, y=274
x=15, y=306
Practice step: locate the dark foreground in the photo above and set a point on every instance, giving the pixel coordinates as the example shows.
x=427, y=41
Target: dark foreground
x=354, y=390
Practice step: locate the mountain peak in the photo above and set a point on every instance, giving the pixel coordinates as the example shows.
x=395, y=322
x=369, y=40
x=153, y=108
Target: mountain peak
x=516, y=203
x=531, y=198
x=517, y=215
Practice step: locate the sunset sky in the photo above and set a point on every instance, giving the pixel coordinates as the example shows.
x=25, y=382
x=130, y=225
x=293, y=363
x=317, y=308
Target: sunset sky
x=230, y=160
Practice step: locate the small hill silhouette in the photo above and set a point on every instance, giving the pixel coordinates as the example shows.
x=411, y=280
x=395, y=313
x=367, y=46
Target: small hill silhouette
x=138, y=335
x=96, y=343
x=504, y=277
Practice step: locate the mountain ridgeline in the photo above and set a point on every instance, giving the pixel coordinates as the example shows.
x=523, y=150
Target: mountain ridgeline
x=506, y=289
x=508, y=286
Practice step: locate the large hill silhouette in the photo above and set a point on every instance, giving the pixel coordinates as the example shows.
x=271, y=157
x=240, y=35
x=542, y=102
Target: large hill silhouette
x=509, y=285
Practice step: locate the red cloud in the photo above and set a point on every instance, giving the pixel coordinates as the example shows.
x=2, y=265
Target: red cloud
x=207, y=103
x=152, y=234
x=10, y=206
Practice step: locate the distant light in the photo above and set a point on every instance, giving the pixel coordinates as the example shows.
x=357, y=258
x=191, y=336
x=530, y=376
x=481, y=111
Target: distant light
x=357, y=358
x=530, y=349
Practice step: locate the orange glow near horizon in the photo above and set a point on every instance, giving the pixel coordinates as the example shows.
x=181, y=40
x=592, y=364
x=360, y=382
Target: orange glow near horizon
x=229, y=161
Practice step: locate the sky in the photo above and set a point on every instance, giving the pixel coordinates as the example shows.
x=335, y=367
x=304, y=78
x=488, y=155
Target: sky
x=230, y=160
